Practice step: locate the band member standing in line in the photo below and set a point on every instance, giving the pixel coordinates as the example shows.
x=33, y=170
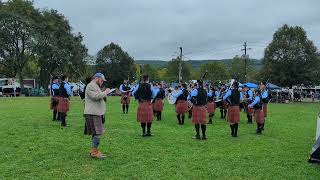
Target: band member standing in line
x=224, y=107
x=54, y=92
x=234, y=97
x=265, y=99
x=258, y=112
x=198, y=97
x=94, y=111
x=125, y=96
x=144, y=92
x=248, y=98
x=211, y=105
x=64, y=97
x=158, y=101
x=182, y=103
x=191, y=87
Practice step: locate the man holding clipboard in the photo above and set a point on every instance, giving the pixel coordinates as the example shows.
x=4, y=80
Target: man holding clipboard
x=94, y=111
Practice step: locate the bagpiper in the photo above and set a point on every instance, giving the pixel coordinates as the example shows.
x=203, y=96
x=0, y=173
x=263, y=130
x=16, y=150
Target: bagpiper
x=54, y=93
x=224, y=105
x=265, y=99
x=248, y=99
x=64, y=99
x=211, y=105
x=125, y=90
x=157, y=104
x=182, y=105
x=233, y=96
x=145, y=92
x=198, y=97
x=258, y=111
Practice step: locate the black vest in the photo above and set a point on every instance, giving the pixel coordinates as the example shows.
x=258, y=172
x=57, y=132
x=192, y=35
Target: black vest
x=201, y=98
x=235, y=97
x=259, y=104
x=144, y=92
x=183, y=96
x=63, y=91
x=125, y=88
x=161, y=94
x=54, y=92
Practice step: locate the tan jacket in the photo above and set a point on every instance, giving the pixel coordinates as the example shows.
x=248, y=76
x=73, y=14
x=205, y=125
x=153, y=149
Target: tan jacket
x=94, y=103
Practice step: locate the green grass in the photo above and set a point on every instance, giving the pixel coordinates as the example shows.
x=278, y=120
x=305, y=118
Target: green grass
x=34, y=147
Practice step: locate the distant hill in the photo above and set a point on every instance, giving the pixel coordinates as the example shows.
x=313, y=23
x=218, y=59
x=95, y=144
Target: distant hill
x=195, y=63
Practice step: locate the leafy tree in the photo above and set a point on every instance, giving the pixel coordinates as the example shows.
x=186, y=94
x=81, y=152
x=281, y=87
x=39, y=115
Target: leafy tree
x=17, y=21
x=291, y=58
x=217, y=71
x=173, y=70
x=237, y=69
x=116, y=64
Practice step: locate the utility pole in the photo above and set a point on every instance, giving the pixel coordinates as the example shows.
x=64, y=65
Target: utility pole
x=180, y=66
x=245, y=49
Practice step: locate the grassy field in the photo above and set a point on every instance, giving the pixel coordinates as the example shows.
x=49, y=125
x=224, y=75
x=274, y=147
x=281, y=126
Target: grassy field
x=34, y=147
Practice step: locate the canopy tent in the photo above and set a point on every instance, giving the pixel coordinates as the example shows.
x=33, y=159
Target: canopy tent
x=272, y=86
x=250, y=85
x=315, y=152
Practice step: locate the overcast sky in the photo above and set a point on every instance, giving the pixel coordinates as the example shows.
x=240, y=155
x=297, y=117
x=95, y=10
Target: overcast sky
x=206, y=29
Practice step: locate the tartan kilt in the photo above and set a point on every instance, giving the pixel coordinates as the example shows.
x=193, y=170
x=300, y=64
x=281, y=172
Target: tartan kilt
x=199, y=115
x=145, y=112
x=233, y=114
x=124, y=100
x=54, y=103
x=259, y=116
x=63, y=105
x=211, y=107
x=157, y=105
x=182, y=107
x=265, y=109
x=250, y=111
x=93, y=125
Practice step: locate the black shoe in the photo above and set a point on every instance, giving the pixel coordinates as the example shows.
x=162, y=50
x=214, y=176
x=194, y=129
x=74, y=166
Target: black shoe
x=258, y=132
x=196, y=137
x=210, y=122
x=148, y=134
x=204, y=137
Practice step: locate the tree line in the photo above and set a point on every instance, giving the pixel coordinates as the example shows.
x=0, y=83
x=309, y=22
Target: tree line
x=40, y=43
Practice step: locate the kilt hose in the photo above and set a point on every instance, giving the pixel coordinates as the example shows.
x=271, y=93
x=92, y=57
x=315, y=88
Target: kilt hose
x=145, y=112
x=63, y=105
x=54, y=103
x=93, y=125
x=265, y=109
x=182, y=107
x=125, y=99
x=233, y=114
x=199, y=115
x=259, y=116
x=211, y=107
x=157, y=105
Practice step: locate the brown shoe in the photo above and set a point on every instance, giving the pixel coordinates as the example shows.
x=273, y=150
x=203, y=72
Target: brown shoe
x=95, y=153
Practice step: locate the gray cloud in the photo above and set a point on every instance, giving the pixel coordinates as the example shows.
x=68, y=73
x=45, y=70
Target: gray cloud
x=206, y=29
